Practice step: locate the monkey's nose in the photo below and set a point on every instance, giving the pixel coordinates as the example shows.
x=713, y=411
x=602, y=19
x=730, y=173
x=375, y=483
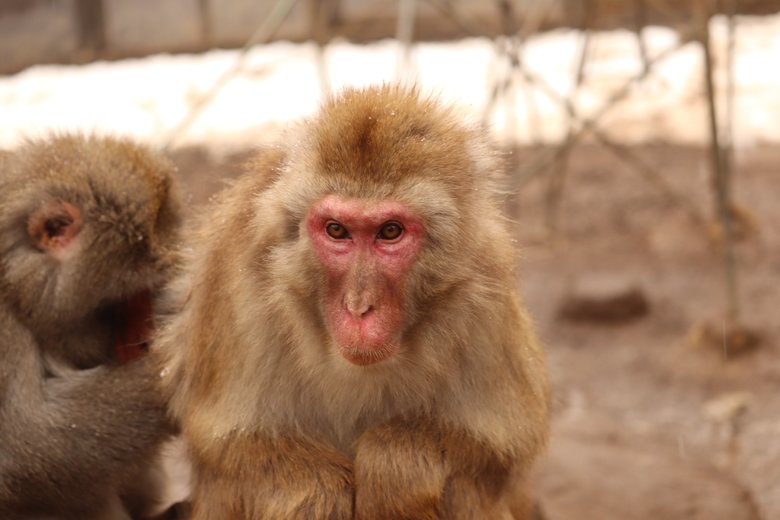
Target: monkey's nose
x=358, y=308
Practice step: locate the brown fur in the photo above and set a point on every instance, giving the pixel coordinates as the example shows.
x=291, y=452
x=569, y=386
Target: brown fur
x=78, y=433
x=289, y=477
x=446, y=428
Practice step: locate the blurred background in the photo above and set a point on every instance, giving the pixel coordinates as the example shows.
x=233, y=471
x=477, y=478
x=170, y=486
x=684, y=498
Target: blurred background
x=643, y=144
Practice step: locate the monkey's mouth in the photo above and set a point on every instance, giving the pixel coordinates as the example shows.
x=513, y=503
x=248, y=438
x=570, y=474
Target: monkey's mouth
x=133, y=327
x=368, y=356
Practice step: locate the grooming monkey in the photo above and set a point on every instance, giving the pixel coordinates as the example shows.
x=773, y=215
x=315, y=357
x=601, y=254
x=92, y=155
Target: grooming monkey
x=88, y=232
x=347, y=340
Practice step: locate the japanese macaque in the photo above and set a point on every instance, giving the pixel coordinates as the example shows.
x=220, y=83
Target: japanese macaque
x=347, y=340
x=88, y=233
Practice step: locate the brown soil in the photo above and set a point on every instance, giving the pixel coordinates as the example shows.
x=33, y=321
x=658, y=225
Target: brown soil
x=655, y=417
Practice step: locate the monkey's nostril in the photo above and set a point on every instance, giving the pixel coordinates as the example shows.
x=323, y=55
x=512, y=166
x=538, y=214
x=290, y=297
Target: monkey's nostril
x=359, y=309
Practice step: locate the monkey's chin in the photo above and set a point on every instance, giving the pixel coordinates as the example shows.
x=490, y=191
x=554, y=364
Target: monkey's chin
x=363, y=356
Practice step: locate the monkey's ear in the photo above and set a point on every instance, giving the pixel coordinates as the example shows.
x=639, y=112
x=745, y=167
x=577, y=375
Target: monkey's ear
x=53, y=226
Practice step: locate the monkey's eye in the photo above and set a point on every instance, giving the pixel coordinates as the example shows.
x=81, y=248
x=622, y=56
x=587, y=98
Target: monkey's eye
x=390, y=231
x=336, y=230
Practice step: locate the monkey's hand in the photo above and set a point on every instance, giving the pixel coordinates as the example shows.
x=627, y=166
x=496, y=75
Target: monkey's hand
x=283, y=477
x=400, y=472
x=418, y=470
x=75, y=436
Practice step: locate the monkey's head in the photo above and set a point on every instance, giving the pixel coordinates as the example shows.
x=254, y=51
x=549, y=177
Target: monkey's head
x=85, y=222
x=390, y=203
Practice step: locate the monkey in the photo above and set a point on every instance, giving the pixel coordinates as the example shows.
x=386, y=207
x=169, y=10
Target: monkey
x=346, y=339
x=89, y=229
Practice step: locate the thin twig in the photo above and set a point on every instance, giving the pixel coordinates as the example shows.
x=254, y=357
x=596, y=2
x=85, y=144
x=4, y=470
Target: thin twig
x=728, y=123
x=543, y=161
x=625, y=91
x=585, y=47
x=555, y=188
x=616, y=97
x=721, y=172
x=499, y=81
x=533, y=118
x=651, y=175
x=404, y=33
x=557, y=183
x=591, y=125
x=640, y=20
x=267, y=28
x=321, y=14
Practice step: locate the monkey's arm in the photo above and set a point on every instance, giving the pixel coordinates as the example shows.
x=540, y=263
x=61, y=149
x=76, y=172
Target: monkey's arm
x=65, y=440
x=285, y=477
x=419, y=470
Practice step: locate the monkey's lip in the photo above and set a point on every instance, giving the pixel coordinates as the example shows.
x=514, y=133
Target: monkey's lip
x=363, y=356
x=365, y=340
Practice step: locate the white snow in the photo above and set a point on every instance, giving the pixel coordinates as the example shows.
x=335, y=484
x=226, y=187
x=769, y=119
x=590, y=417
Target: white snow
x=147, y=98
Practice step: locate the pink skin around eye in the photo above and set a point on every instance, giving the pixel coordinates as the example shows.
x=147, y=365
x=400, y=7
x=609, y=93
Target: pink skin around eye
x=364, y=272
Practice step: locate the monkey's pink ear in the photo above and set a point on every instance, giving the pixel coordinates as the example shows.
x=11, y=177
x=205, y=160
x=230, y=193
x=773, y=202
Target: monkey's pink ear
x=53, y=226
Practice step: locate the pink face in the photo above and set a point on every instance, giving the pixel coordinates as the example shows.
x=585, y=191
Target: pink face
x=366, y=248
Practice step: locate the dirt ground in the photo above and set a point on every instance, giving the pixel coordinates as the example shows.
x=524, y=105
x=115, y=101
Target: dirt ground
x=653, y=419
